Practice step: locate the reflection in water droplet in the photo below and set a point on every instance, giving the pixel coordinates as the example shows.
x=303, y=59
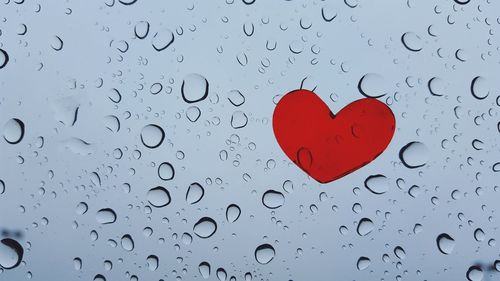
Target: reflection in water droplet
x=414, y=155
x=11, y=253
x=233, y=212
x=106, y=216
x=194, y=193
x=152, y=136
x=194, y=88
x=264, y=253
x=273, y=199
x=377, y=184
x=365, y=226
x=166, y=171
x=205, y=227
x=445, y=243
x=158, y=197
x=13, y=131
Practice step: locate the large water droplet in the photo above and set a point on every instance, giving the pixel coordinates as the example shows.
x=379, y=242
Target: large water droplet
x=264, y=253
x=127, y=242
x=412, y=41
x=479, y=88
x=233, y=212
x=365, y=226
x=414, y=155
x=372, y=85
x=239, y=119
x=194, y=193
x=475, y=273
x=13, y=131
x=363, y=263
x=106, y=216
x=11, y=253
x=273, y=199
x=194, y=88
x=162, y=39
x=153, y=262
x=166, y=171
x=205, y=227
x=204, y=269
x=152, y=136
x=4, y=58
x=445, y=243
x=158, y=196
x=377, y=184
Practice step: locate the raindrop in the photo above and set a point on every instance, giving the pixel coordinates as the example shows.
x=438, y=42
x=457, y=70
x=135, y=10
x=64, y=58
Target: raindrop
x=372, y=85
x=235, y=97
x=152, y=136
x=105, y=216
x=77, y=263
x=273, y=199
x=158, y=197
x=194, y=193
x=162, y=39
x=127, y=242
x=2, y=187
x=475, y=273
x=412, y=41
x=363, y=263
x=479, y=88
x=57, y=43
x=414, y=155
x=204, y=269
x=166, y=171
x=399, y=252
x=377, y=184
x=193, y=113
x=445, y=243
x=11, y=253
x=13, y=131
x=152, y=262
x=4, y=58
x=436, y=86
x=194, y=88
x=112, y=123
x=479, y=235
x=233, y=212
x=264, y=253
x=141, y=29
x=365, y=226
x=205, y=227
x=239, y=119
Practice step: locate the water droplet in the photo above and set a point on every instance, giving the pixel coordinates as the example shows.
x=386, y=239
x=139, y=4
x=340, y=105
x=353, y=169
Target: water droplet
x=474, y=273
x=11, y=253
x=153, y=262
x=205, y=227
x=273, y=199
x=77, y=263
x=400, y=252
x=194, y=88
x=13, y=131
x=365, y=226
x=239, y=119
x=194, y=193
x=378, y=184
x=166, y=171
x=105, y=216
x=372, y=85
x=158, y=197
x=479, y=88
x=479, y=235
x=363, y=263
x=127, y=242
x=193, y=113
x=436, y=86
x=412, y=41
x=162, y=39
x=445, y=243
x=264, y=253
x=4, y=58
x=152, y=136
x=141, y=29
x=414, y=155
x=235, y=97
x=233, y=212
x=204, y=269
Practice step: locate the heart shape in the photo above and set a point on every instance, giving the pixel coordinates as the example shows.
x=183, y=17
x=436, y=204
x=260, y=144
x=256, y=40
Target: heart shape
x=328, y=146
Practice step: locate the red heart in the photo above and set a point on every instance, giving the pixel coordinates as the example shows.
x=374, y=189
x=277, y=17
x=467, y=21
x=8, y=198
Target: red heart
x=328, y=146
